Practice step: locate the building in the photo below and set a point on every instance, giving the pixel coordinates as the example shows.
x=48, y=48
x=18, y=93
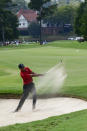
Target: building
x=50, y=29
x=25, y=17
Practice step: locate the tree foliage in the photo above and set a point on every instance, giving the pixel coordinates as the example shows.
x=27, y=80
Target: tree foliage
x=43, y=7
x=4, y=3
x=70, y=2
x=81, y=20
x=19, y=4
x=63, y=15
x=8, y=22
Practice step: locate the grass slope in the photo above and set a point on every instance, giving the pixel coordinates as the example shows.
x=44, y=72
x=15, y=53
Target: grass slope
x=70, y=122
x=40, y=59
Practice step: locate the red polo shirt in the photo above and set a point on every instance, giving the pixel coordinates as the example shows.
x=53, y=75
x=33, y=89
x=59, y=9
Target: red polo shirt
x=26, y=76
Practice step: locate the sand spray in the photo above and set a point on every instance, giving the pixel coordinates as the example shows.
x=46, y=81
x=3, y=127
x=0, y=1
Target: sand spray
x=53, y=80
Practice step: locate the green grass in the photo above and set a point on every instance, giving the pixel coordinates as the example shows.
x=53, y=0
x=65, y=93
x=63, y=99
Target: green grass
x=70, y=122
x=69, y=44
x=40, y=59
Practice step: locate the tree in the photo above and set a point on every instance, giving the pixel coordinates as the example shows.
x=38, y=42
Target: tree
x=63, y=15
x=70, y=2
x=34, y=29
x=4, y=3
x=81, y=20
x=19, y=4
x=78, y=23
x=44, y=8
x=8, y=22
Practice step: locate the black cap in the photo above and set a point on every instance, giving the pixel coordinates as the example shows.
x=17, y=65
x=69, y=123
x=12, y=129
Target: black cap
x=20, y=66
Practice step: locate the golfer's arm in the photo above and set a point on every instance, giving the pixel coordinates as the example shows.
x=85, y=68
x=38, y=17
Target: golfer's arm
x=36, y=75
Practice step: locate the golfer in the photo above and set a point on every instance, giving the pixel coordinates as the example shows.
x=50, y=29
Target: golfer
x=28, y=85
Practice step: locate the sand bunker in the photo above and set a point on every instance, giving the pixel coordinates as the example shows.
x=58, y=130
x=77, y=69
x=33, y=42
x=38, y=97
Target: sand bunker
x=45, y=108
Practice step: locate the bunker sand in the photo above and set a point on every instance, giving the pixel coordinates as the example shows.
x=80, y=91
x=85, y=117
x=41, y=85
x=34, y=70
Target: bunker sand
x=45, y=108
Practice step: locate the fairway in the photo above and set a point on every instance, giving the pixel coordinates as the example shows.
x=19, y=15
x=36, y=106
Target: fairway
x=40, y=59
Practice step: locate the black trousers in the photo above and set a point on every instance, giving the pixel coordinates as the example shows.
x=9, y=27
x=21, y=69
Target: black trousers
x=29, y=88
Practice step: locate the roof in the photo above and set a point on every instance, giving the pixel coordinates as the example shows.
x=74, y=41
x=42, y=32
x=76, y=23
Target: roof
x=30, y=15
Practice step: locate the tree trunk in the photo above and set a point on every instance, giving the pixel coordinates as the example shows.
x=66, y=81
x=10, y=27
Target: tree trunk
x=3, y=35
x=40, y=33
